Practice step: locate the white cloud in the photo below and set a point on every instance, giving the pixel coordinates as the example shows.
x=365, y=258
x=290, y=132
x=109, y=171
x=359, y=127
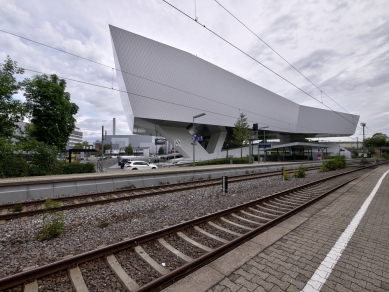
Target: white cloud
x=341, y=46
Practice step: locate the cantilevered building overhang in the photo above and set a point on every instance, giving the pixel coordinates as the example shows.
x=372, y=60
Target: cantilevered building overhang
x=162, y=88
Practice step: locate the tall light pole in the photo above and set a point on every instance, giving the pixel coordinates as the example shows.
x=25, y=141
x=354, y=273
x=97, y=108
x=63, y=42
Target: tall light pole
x=264, y=141
x=363, y=144
x=194, y=142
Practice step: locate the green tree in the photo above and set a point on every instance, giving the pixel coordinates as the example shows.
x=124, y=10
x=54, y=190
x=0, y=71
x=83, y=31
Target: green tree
x=12, y=162
x=240, y=132
x=161, y=151
x=107, y=147
x=50, y=109
x=129, y=150
x=11, y=110
x=44, y=159
x=378, y=140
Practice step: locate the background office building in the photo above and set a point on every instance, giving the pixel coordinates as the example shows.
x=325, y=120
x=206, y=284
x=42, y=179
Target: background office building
x=75, y=137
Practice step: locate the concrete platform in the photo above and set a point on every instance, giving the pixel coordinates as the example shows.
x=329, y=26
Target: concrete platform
x=23, y=188
x=288, y=256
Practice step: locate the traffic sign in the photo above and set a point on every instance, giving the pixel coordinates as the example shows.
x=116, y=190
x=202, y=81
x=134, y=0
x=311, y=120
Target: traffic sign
x=264, y=145
x=178, y=142
x=198, y=138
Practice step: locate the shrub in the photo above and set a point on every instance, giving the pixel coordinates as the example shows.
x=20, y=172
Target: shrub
x=53, y=227
x=13, y=166
x=69, y=168
x=300, y=172
x=44, y=160
x=53, y=223
x=285, y=174
x=335, y=163
x=385, y=156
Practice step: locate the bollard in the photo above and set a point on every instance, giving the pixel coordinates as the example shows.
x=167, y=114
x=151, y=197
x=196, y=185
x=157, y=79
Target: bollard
x=225, y=184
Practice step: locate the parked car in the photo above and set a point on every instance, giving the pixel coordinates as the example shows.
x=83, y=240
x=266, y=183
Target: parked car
x=139, y=165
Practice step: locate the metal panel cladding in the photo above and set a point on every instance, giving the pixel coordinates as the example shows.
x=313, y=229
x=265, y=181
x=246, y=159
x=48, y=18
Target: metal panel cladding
x=168, y=84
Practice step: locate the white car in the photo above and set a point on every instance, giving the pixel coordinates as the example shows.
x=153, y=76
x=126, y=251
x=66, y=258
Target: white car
x=139, y=165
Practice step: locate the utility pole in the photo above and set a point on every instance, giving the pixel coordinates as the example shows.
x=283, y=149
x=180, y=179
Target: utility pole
x=103, y=137
x=363, y=144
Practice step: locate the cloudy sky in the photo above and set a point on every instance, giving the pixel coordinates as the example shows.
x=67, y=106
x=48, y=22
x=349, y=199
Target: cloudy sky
x=341, y=46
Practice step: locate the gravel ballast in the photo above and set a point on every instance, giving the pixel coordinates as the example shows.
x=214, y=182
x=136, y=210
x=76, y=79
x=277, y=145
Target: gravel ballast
x=19, y=247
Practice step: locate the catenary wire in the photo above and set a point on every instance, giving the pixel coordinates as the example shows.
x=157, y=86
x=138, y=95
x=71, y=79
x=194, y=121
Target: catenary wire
x=159, y=83
x=280, y=56
x=108, y=66
x=211, y=31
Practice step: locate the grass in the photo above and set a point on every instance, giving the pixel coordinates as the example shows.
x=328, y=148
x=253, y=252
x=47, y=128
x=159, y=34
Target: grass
x=53, y=223
x=18, y=208
x=104, y=223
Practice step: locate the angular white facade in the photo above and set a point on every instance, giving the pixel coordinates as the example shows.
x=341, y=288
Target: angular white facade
x=164, y=87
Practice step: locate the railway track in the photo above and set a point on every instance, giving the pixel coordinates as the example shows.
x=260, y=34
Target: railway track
x=30, y=208
x=152, y=261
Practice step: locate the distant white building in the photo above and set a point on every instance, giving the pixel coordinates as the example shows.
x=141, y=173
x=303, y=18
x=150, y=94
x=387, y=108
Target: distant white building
x=75, y=137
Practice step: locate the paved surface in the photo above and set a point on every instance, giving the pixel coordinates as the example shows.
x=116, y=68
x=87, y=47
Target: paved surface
x=285, y=257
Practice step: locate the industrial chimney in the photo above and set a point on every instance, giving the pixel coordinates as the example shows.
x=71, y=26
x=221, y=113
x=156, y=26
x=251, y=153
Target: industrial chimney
x=114, y=126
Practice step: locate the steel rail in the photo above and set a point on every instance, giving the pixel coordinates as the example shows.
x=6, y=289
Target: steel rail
x=22, y=277
x=165, y=280
x=152, y=191
x=40, y=201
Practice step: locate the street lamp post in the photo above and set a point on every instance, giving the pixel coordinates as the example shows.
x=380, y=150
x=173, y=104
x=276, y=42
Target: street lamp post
x=264, y=141
x=194, y=142
x=363, y=144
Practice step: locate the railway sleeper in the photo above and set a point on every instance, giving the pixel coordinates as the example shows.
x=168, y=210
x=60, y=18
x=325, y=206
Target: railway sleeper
x=269, y=209
x=264, y=213
x=279, y=205
x=289, y=201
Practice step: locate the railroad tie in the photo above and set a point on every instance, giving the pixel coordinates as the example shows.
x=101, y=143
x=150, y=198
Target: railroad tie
x=141, y=252
x=3, y=212
x=244, y=219
x=182, y=256
x=255, y=216
x=210, y=235
x=224, y=229
x=77, y=280
x=126, y=280
x=236, y=224
x=264, y=213
x=31, y=287
x=195, y=243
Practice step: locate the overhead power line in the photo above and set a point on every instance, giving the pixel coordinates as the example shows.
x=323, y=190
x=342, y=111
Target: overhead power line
x=251, y=57
x=280, y=56
x=113, y=68
x=156, y=82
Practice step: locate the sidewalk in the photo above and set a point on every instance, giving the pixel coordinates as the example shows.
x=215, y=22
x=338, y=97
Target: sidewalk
x=285, y=257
